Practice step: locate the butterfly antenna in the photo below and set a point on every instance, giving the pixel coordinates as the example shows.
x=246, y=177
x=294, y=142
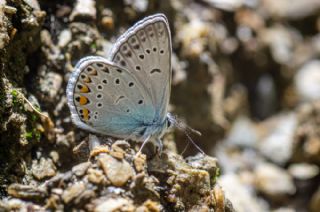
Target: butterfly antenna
x=185, y=148
x=184, y=128
x=189, y=129
x=174, y=120
x=190, y=139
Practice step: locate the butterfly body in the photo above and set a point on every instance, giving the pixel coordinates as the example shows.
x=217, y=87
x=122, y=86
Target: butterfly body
x=126, y=95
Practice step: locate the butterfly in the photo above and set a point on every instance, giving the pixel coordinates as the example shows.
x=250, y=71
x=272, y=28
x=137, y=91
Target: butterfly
x=127, y=94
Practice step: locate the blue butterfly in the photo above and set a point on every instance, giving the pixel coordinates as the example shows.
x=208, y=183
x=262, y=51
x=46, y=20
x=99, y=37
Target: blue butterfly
x=126, y=95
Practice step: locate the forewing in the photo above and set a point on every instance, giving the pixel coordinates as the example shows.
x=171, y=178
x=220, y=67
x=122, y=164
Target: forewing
x=145, y=50
x=107, y=99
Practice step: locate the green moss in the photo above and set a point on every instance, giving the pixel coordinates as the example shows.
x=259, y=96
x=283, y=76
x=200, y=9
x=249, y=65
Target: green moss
x=28, y=135
x=14, y=93
x=16, y=100
x=93, y=46
x=217, y=175
x=34, y=117
x=34, y=134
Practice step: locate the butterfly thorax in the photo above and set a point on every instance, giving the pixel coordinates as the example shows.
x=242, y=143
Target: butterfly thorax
x=154, y=129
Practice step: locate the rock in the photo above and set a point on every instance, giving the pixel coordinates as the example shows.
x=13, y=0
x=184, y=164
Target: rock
x=84, y=197
x=242, y=197
x=50, y=84
x=278, y=144
x=179, y=70
x=203, y=162
x=291, y=9
x=64, y=38
x=18, y=205
x=273, y=181
x=84, y=9
x=315, y=201
x=84, y=37
x=284, y=209
x=120, y=145
x=184, y=181
x=73, y=192
x=117, y=151
x=96, y=176
x=307, y=81
x=117, y=171
x=307, y=139
x=149, y=205
x=243, y=133
x=54, y=155
x=115, y=204
x=43, y=169
x=303, y=171
x=5, y=29
x=280, y=40
x=27, y=192
x=80, y=169
x=233, y=158
x=138, y=5
x=229, y=5
x=107, y=20
x=192, y=36
x=34, y=4
x=139, y=162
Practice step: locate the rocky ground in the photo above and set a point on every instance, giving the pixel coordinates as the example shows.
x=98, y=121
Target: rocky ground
x=246, y=74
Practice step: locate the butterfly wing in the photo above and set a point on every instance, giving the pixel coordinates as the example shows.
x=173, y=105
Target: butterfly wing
x=107, y=99
x=145, y=50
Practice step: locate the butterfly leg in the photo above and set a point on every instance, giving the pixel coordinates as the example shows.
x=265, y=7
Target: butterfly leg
x=143, y=144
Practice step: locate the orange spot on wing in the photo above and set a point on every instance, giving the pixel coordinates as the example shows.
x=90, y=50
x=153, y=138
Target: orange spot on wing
x=85, y=114
x=83, y=100
x=84, y=89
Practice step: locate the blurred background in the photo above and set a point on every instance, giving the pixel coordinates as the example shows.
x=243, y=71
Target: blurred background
x=246, y=74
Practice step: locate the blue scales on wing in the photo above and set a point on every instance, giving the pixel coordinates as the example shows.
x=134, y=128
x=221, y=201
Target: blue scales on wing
x=108, y=99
